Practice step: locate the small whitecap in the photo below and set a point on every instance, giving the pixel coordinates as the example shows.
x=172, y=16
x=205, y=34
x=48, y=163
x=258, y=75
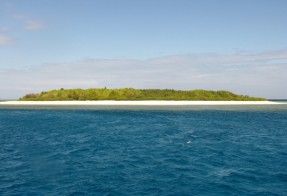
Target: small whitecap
x=224, y=172
x=188, y=142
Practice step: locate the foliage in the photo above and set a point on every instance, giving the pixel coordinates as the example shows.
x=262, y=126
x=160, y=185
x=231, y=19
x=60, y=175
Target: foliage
x=136, y=94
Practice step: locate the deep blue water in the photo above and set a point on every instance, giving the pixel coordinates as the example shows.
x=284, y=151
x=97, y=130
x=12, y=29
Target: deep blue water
x=116, y=152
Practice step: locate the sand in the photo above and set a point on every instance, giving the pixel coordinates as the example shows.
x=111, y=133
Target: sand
x=135, y=103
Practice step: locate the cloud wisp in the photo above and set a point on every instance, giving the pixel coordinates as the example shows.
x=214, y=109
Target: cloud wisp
x=5, y=40
x=5, y=29
x=19, y=17
x=260, y=74
x=27, y=25
x=34, y=25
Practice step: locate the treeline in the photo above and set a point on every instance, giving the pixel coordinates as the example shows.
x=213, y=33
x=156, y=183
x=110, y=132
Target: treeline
x=135, y=94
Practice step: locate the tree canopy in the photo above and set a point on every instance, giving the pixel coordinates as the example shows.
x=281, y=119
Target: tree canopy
x=136, y=94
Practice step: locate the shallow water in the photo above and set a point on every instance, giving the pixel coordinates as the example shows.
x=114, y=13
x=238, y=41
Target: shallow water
x=133, y=152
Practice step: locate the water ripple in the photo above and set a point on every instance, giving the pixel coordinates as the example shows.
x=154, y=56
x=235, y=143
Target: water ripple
x=67, y=152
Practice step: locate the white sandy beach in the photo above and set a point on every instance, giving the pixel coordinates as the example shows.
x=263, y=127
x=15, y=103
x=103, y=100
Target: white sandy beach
x=137, y=103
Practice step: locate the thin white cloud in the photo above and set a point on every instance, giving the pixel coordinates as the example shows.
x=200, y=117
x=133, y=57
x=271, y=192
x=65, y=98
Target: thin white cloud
x=34, y=25
x=19, y=16
x=258, y=74
x=5, y=29
x=222, y=59
x=5, y=40
x=6, y=4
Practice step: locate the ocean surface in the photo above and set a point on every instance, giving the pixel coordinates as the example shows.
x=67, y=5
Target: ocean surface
x=143, y=152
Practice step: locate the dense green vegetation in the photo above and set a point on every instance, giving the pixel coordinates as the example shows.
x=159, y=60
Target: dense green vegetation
x=135, y=94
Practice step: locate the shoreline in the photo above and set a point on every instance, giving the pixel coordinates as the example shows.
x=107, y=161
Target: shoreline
x=136, y=103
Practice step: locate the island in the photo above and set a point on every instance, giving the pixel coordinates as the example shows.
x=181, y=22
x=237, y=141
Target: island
x=131, y=94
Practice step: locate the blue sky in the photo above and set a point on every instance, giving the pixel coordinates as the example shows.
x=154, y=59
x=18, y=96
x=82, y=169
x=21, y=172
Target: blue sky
x=182, y=44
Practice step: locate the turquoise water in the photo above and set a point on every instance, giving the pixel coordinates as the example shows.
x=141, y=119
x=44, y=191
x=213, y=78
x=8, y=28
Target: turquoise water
x=150, y=152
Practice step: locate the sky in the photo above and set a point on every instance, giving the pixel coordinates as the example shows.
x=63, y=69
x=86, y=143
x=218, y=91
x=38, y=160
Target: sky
x=233, y=45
